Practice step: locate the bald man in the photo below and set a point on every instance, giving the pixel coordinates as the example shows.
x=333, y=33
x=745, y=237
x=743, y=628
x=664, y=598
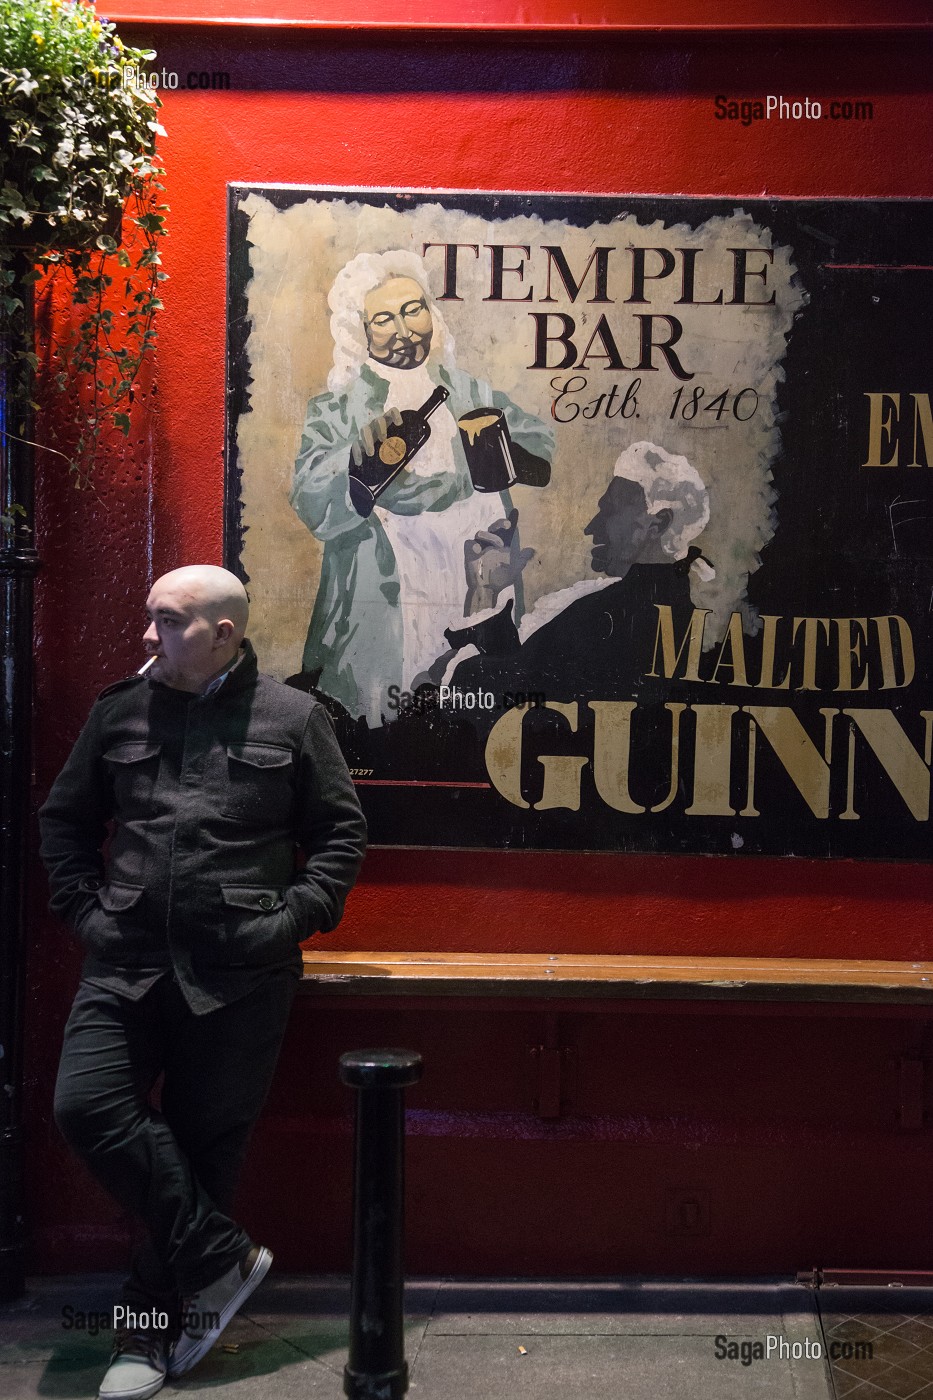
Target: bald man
x=235, y=833
x=197, y=622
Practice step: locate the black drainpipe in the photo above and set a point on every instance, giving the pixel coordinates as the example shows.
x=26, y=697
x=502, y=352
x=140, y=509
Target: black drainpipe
x=18, y=565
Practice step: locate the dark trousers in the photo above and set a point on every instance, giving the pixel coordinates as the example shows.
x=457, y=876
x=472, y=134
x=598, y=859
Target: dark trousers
x=175, y=1168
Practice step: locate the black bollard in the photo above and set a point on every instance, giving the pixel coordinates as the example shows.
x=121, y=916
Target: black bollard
x=376, y=1368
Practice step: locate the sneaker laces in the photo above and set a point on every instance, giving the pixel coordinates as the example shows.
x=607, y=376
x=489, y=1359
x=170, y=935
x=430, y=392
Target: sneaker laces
x=130, y=1341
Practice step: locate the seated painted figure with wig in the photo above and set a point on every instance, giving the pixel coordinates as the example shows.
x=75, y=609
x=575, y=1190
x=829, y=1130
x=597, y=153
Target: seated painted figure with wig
x=597, y=637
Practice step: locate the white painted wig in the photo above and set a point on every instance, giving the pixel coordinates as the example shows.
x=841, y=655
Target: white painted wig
x=669, y=483
x=353, y=283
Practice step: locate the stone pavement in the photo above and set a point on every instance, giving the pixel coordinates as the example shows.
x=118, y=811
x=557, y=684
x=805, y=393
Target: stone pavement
x=510, y=1339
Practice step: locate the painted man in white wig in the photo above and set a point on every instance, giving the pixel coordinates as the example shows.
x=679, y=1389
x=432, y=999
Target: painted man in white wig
x=392, y=582
x=597, y=636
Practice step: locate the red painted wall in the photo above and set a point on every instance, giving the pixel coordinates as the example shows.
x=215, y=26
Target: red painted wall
x=614, y=115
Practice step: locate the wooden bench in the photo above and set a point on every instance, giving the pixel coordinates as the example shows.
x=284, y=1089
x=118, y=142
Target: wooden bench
x=555, y=983
x=629, y=977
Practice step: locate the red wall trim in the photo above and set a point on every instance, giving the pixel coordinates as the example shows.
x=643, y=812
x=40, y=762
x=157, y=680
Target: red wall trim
x=635, y=16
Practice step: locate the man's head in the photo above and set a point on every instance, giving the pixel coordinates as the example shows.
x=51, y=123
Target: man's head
x=398, y=323
x=654, y=506
x=197, y=621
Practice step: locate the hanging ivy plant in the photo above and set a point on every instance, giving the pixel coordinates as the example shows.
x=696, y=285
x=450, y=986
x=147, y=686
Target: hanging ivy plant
x=77, y=157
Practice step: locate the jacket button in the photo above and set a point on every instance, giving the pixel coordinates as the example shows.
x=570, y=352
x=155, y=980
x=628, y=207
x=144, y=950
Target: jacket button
x=266, y=902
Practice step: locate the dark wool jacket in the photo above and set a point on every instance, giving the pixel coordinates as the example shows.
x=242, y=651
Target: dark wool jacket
x=210, y=798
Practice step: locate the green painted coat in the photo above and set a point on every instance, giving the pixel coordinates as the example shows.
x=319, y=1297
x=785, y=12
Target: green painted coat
x=350, y=644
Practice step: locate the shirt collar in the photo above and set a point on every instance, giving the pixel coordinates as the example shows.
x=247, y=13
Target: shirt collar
x=217, y=682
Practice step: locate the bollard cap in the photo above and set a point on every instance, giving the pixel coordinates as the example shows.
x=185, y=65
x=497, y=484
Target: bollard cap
x=380, y=1069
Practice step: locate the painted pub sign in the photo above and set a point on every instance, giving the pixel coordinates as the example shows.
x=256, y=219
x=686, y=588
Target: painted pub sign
x=598, y=523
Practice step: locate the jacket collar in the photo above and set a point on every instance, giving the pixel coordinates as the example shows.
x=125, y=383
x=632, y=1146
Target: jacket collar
x=243, y=675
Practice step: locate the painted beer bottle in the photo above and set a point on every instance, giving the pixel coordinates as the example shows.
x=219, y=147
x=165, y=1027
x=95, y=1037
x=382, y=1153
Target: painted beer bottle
x=375, y=470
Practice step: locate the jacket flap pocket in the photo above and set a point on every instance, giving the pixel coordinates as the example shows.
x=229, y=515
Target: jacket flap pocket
x=260, y=755
x=116, y=898
x=258, y=898
x=133, y=751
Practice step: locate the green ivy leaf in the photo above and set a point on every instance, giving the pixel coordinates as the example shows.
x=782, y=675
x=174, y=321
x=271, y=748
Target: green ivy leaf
x=152, y=223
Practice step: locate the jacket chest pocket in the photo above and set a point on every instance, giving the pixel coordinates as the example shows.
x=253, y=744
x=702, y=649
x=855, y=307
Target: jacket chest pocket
x=134, y=771
x=258, y=789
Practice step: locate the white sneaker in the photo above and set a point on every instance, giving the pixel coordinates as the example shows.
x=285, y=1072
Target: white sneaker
x=138, y=1364
x=206, y=1314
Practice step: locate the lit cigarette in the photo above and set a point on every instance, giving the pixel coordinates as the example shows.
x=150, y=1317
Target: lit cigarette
x=145, y=666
